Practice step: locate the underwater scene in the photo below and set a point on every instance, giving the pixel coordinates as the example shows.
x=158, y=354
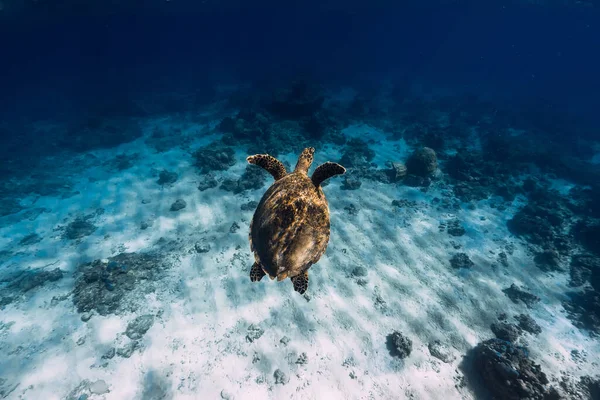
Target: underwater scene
x=299, y=200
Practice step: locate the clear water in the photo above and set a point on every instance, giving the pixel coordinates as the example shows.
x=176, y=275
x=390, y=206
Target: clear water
x=464, y=253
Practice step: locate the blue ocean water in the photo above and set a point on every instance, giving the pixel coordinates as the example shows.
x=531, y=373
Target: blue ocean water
x=453, y=249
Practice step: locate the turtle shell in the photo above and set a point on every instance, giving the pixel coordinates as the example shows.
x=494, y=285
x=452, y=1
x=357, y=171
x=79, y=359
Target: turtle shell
x=290, y=228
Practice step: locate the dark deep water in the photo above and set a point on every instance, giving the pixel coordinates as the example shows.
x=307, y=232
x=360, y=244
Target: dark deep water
x=518, y=55
x=466, y=230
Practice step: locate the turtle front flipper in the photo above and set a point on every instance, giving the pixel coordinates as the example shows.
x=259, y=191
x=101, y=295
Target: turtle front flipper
x=300, y=282
x=256, y=273
x=326, y=171
x=269, y=163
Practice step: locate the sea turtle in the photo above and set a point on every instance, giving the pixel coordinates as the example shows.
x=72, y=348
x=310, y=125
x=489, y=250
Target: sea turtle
x=289, y=231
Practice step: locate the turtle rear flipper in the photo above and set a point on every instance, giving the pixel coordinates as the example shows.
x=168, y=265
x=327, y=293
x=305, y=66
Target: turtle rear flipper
x=326, y=171
x=256, y=273
x=269, y=163
x=300, y=282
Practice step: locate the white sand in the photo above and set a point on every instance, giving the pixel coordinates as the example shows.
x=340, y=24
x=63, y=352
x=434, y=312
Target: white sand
x=197, y=347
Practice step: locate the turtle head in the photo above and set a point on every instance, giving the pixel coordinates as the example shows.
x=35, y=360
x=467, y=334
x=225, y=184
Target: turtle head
x=305, y=160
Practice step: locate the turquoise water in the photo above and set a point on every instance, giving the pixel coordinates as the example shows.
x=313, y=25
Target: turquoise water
x=463, y=259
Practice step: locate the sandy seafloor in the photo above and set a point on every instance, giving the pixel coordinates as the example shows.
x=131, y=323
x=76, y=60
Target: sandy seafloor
x=197, y=347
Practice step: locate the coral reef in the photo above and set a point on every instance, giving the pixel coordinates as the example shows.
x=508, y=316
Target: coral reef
x=214, y=158
x=461, y=260
x=399, y=345
x=506, y=331
x=422, y=163
x=505, y=371
x=167, y=178
x=253, y=178
x=178, y=205
x=357, y=154
x=517, y=294
x=117, y=285
x=79, y=228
